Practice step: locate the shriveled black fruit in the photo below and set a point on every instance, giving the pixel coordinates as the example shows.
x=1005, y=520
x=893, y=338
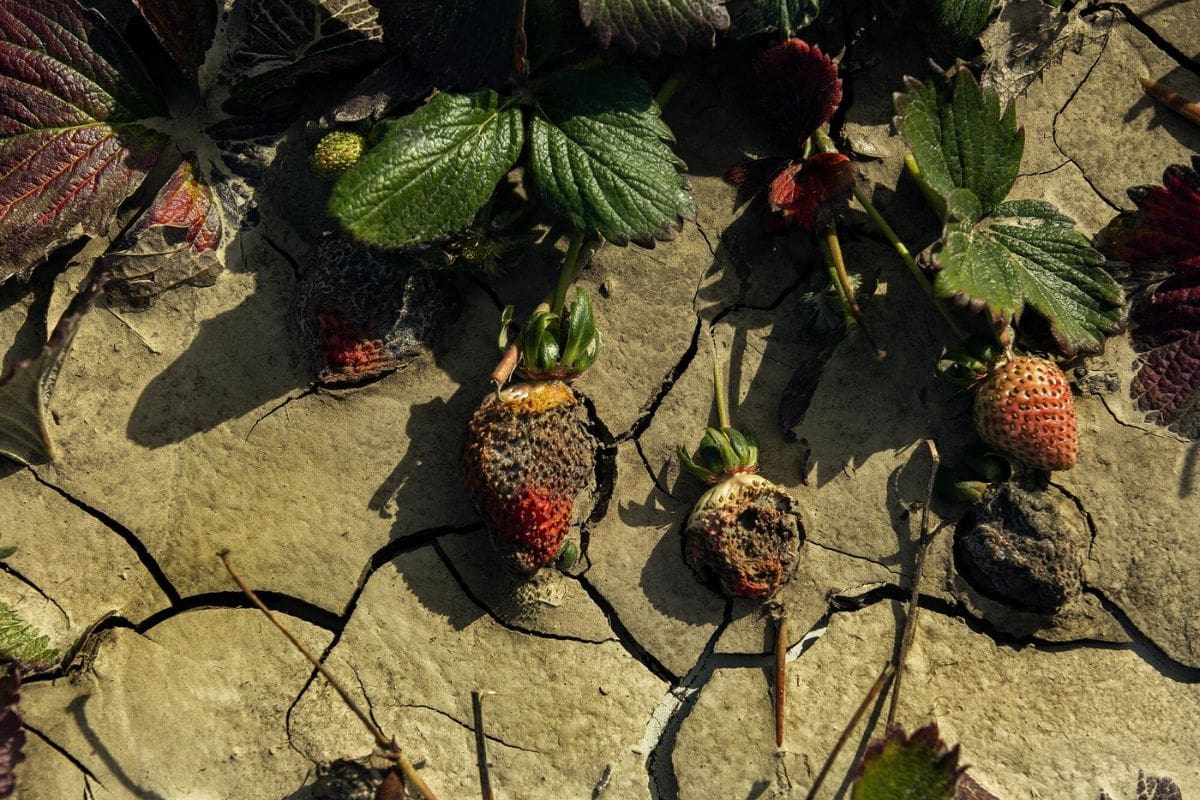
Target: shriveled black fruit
x=1019, y=545
x=365, y=313
x=348, y=780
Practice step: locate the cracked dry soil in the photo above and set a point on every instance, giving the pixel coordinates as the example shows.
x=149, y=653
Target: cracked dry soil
x=192, y=428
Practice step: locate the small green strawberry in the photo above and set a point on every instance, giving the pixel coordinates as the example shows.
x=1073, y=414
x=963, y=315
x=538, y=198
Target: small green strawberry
x=529, y=452
x=335, y=153
x=1024, y=409
x=743, y=536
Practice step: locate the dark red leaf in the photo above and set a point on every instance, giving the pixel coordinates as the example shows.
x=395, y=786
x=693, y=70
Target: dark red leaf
x=185, y=28
x=798, y=86
x=392, y=787
x=175, y=241
x=648, y=28
x=12, y=735
x=810, y=192
x=69, y=153
x=1160, y=242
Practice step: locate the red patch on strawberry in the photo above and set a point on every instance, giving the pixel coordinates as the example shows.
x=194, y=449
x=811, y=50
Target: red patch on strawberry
x=811, y=191
x=1025, y=410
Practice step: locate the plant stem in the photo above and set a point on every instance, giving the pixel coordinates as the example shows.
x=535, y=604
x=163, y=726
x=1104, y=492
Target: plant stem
x=910, y=619
x=872, y=693
x=388, y=747
x=825, y=144
x=831, y=249
x=672, y=85
x=781, y=646
x=1176, y=102
x=568, y=273
x=719, y=398
x=485, y=778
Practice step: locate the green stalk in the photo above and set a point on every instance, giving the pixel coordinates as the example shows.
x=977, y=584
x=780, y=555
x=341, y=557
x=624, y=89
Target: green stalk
x=831, y=249
x=719, y=397
x=568, y=273
x=825, y=144
x=672, y=85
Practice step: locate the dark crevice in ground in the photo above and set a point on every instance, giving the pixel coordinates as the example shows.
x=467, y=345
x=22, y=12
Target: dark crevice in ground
x=604, y=472
x=1146, y=29
x=448, y=563
x=62, y=751
x=276, y=601
x=648, y=411
x=1087, y=516
x=488, y=290
x=708, y=242
x=660, y=762
x=9, y=570
x=1144, y=646
x=470, y=728
x=297, y=270
x=848, y=554
x=624, y=636
x=383, y=555
x=650, y=470
x=140, y=550
x=281, y=405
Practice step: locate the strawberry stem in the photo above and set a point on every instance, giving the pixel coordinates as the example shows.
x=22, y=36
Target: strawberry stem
x=1176, y=102
x=719, y=397
x=831, y=249
x=568, y=273
x=672, y=85
x=824, y=143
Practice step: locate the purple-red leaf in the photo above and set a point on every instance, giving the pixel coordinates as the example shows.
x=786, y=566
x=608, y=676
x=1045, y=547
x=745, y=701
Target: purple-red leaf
x=898, y=765
x=808, y=193
x=12, y=735
x=798, y=86
x=1160, y=242
x=175, y=241
x=185, y=28
x=70, y=91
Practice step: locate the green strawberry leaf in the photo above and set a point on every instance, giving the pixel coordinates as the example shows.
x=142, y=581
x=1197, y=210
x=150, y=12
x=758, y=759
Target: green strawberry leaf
x=962, y=20
x=1027, y=254
x=431, y=171
x=959, y=137
x=71, y=92
x=600, y=157
x=751, y=17
x=23, y=644
x=25, y=391
x=901, y=767
x=648, y=27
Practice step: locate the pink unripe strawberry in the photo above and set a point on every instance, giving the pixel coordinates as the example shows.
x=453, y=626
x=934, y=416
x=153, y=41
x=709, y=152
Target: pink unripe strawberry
x=1024, y=409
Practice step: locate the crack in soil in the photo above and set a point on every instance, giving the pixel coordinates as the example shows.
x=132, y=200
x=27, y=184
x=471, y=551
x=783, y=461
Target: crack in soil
x=62, y=751
x=282, y=405
x=624, y=636
x=10, y=570
x=148, y=562
x=1149, y=31
x=471, y=728
x=668, y=382
x=637, y=444
x=1143, y=645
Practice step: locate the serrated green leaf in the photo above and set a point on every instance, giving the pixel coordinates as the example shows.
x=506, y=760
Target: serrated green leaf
x=962, y=20
x=752, y=17
x=24, y=644
x=431, y=171
x=601, y=160
x=648, y=27
x=1027, y=255
x=959, y=136
x=900, y=767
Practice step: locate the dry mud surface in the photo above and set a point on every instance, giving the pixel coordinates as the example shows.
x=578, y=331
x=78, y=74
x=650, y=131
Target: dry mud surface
x=193, y=427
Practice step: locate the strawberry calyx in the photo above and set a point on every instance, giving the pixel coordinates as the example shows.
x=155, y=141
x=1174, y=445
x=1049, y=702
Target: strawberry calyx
x=971, y=363
x=723, y=452
x=555, y=345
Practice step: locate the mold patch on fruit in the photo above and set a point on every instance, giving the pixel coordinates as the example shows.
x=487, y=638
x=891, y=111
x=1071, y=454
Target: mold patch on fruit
x=364, y=314
x=1020, y=545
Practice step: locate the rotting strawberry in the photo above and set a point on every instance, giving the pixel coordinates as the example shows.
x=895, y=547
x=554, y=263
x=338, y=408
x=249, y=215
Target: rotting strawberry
x=743, y=536
x=529, y=453
x=1024, y=409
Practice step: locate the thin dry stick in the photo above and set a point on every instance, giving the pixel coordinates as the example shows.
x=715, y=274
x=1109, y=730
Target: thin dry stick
x=388, y=747
x=874, y=691
x=485, y=777
x=1176, y=102
x=910, y=619
x=781, y=647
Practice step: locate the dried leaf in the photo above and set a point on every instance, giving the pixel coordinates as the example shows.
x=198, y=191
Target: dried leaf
x=649, y=27
x=798, y=88
x=1160, y=242
x=1153, y=789
x=12, y=735
x=185, y=28
x=71, y=152
x=25, y=391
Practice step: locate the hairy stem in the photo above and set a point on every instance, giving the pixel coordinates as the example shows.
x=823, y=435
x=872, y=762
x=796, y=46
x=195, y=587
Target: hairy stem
x=388, y=747
x=872, y=693
x=719, y=397
x=831, y=249
x=568, y=273
x=910, y=618
x=672, y=85
x=781, y=647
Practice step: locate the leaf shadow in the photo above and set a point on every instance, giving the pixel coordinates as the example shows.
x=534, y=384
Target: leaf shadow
x=78, y=709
